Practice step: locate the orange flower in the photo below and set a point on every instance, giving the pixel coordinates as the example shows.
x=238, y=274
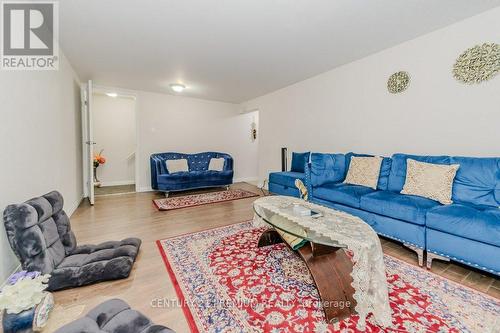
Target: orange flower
x=99, y=158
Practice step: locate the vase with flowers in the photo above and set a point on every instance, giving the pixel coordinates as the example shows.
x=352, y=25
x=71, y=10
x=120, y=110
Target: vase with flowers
x=24, y=303
x=98, y=160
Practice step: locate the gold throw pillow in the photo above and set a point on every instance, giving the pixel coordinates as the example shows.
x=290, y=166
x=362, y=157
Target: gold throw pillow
x=364, y=171
x=433, y=181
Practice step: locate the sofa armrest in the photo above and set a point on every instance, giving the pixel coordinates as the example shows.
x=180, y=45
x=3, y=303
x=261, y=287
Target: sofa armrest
x=229, y=165
x=156, y=170
x=308, y=183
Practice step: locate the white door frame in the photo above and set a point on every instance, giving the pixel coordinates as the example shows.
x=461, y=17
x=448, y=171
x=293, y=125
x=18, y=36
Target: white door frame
x=87, y=141
x=83, y=95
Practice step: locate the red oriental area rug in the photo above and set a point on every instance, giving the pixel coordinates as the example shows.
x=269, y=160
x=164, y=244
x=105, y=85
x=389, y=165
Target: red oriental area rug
x=202, y=199
x=225, y=283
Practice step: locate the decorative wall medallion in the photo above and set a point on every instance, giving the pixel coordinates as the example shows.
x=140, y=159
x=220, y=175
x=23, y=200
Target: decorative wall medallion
x=253, y=131
x=477, y=64
x=398, y=82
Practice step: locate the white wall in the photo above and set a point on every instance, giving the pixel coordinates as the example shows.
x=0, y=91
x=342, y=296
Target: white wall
x=40, y=131
x=181, y=124
x=114, y=131
x=350, y=109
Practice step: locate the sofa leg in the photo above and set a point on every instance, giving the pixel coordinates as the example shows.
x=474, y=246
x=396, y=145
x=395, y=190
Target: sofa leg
x=431, y=256
x=166, y=194
x=227, y=187
x=420, y=253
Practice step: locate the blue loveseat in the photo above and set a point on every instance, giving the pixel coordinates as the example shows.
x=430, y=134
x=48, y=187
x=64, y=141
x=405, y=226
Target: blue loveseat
x=198, y=175
x=467, y=231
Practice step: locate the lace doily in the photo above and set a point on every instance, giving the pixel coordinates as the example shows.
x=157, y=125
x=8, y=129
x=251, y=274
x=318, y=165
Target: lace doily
x=368, y=273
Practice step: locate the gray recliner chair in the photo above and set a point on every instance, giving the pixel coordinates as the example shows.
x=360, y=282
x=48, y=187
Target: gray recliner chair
x=113, y=316
x=40, y=235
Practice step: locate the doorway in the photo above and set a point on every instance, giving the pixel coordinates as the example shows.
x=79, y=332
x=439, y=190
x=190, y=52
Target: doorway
x=114, y=126
x=109, y=127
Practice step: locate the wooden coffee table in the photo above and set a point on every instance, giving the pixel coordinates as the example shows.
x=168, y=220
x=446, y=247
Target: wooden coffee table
x=326, y=260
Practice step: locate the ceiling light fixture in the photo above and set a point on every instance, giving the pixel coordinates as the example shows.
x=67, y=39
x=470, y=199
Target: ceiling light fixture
x=112, y=94
x=178, y=88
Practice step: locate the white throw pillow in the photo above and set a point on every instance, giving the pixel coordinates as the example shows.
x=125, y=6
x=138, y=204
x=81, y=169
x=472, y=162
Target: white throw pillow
x=216, y=164
x=179, y=165
x=364, y=171
x=433, y=181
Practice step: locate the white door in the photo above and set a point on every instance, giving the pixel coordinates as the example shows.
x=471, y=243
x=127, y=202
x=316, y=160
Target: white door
x=88, y=142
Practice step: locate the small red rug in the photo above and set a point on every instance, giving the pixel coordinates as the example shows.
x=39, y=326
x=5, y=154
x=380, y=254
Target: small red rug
x=225, y=283
x=202, y=199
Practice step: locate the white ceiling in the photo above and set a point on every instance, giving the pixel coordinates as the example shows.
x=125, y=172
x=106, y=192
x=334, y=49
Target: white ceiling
x=235, y=50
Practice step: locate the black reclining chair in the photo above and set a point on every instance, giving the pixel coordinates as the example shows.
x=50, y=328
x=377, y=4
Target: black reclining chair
x=40, y=235
x=113, y=316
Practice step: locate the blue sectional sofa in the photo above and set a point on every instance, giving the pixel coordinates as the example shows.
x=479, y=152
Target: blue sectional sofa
x=198, y=175
x=467, y=231
x=284, y=182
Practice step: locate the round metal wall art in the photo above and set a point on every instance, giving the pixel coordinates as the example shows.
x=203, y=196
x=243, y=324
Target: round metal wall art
x=398, y=82
x=478, y=64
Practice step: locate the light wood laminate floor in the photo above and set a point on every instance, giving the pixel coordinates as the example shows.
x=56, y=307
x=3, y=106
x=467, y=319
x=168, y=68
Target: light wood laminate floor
x=114, y=190
x=133, y=215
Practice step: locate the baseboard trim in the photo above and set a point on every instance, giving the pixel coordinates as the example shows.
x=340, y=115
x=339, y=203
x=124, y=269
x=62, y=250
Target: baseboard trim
x=118, y=183
x=246, y=180
x=71, y=209
x=144, y=189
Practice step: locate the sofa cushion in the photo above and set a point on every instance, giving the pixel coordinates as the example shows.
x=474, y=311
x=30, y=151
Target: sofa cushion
x=433, y=181
x=408, y=208
x=192, y=176
x=477, y=181
x=349, y=195
x=397, y=176
x=299, y=161
x=467, y=221
x=327, y=168
x=216, y=164
x=385, y=169
x=286, y=178
x=93, y=263
x=284, y=190
x=364, y=171
x=177, y=165
x=87, y=254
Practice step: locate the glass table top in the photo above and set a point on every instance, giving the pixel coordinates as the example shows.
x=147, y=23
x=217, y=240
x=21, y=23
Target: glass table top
x=282, y=217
